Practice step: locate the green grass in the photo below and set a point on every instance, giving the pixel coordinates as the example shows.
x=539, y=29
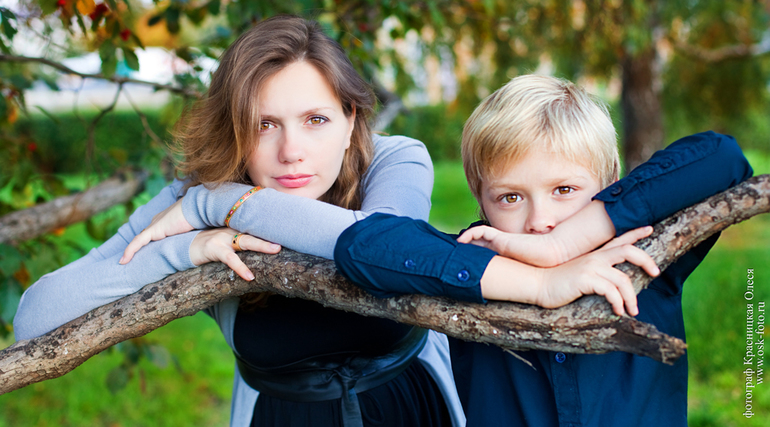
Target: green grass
x=196, y=390
x=453, y=206
x=192, y=391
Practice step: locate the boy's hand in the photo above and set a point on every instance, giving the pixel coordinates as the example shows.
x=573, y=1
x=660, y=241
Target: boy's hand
x=537, y=250
x=542, y=250
x=594, y=273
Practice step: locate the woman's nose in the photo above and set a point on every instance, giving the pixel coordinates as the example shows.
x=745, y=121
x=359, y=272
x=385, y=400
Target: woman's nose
x=292, y=148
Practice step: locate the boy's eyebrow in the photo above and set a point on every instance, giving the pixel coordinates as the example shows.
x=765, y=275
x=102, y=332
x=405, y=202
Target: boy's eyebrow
x=501, y=183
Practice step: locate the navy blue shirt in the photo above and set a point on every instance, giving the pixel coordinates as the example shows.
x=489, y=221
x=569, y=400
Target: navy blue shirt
x=388, y=256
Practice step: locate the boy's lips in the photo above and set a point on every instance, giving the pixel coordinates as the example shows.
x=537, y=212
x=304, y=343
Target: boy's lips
x=294, y=181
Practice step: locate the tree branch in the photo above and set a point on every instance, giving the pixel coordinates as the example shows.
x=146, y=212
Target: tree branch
x=723, y=53
x=585, y=326
x=63, y=211
x=115, y=79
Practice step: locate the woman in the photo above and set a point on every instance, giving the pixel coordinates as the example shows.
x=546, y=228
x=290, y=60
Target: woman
x=285, y=112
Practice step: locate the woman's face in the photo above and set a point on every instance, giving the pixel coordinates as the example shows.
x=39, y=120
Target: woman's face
x=303, y=133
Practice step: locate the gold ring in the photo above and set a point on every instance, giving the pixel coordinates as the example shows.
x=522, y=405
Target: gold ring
x=236, y=246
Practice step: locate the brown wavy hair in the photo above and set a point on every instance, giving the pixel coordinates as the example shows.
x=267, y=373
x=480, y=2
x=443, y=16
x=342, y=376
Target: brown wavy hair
x=216, y=134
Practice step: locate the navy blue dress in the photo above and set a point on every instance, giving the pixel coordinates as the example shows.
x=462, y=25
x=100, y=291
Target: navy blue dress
x=288, y=331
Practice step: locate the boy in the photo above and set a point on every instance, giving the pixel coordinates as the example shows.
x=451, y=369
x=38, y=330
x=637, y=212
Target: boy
x=535, y=153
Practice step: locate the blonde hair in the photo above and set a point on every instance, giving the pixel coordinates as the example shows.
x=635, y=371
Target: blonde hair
x=219, y=132
x=534, y=111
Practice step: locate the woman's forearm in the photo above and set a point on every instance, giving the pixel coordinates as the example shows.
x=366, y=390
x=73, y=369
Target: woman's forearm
x=399, y=182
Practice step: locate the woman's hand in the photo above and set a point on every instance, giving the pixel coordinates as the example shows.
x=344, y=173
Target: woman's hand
x=217, y=245
x=168, y=223
x=594, y=273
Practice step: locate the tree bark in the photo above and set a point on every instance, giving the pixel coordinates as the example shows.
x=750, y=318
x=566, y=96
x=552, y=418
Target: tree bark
x=584, y=326
x=63, y=211
x=640, y=101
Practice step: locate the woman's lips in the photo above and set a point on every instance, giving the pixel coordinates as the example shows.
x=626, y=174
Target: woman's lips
x=294, y=181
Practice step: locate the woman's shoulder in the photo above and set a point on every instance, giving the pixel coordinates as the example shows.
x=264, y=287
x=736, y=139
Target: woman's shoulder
x=398, y=148
x=394, y=143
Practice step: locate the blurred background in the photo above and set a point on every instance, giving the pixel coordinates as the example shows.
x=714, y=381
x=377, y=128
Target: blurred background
x=91, y=88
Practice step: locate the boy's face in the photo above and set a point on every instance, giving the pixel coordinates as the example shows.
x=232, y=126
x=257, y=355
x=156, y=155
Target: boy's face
x=537, y=192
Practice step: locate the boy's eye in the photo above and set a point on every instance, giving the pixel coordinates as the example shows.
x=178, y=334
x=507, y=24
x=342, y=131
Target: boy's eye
x=511, y=198
x=563, y=190
x=317, y=120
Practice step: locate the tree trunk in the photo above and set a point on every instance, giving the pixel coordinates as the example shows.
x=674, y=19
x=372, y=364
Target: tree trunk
x=584, y=326
x=63, y=211
x=641, y=105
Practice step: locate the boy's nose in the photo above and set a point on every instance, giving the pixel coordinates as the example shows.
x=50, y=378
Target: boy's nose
x=291, y=149
x=539, y=221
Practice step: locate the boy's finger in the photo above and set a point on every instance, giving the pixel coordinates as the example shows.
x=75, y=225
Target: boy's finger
x=640, y=258
x=613, y=297
x=629, y=237
x=621, y=284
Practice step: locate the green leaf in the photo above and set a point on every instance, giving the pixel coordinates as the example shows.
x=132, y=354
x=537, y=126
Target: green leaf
x=10, y=259
x=155, y=19
x=214, y=6
x=172, y=20
x=131, y=59
x=137, y=40
x=118, y=378
x=109, y=59
x=8, y=29
x=48, y=6
x=10, y=295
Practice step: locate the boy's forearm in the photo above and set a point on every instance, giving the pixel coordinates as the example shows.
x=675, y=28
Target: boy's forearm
x=506, y=279
x=583, y=232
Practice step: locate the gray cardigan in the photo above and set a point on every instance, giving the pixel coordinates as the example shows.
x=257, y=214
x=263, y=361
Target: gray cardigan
x=399, y=181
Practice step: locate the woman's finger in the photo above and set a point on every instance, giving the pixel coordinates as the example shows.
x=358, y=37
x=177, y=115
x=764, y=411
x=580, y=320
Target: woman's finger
x=141, y=240
x=234, y=262
x=251, y=243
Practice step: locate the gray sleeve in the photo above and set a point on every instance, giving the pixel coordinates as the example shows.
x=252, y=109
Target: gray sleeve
x=399, y=181
x=98, y=279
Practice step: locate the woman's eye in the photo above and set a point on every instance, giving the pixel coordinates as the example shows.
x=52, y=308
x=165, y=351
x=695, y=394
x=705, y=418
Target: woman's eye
x=317, y=120
x=511, y=198
x=263, y=126
x=563, y=190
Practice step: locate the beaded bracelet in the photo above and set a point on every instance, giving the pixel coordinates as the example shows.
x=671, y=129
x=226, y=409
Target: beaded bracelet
x=239, y=203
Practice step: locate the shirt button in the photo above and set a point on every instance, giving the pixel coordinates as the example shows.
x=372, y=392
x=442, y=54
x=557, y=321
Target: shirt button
x=616, y=190
x=463, y=275
x=560, y=357
x=409, y=263
x=666, y=164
